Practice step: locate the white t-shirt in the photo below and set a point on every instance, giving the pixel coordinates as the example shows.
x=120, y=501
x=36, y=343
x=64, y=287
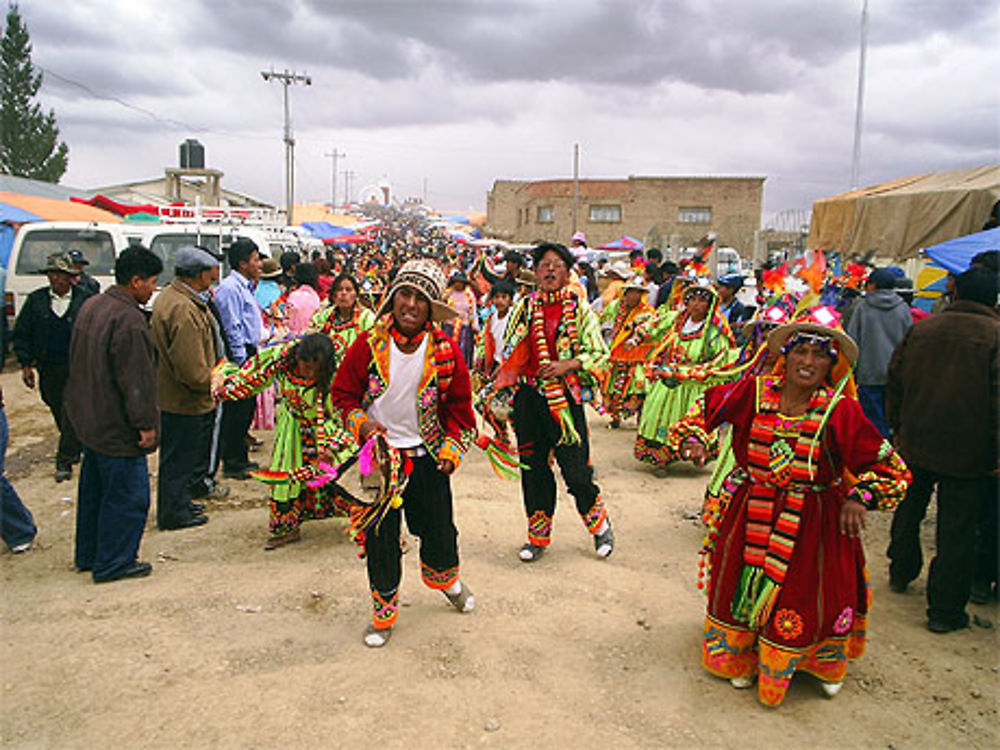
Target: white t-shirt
x=498, y=327
x=396, y=408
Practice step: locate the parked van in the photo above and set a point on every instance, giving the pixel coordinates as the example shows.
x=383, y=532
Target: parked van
x=99, y=243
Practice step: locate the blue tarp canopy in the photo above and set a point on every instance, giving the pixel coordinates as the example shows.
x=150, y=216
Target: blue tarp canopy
x=956, y=255
x=457, y=218
x=324, y=230
x=11, y=215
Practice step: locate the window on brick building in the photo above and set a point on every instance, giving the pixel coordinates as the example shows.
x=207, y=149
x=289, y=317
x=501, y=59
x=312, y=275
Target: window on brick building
x=545, y=215
x=694, y=214
x=607, y=214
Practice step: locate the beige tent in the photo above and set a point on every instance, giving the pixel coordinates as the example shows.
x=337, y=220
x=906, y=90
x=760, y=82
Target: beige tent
x=897, y=219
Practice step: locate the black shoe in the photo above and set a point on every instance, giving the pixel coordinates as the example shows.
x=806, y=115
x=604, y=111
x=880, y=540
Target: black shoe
x=897, y=586
x=239, y=474
x=941, y=626
x=199, y=519
x=64, y=474
x=531, y=552
x=252, y=466
x=981, y=593
x=197, y=508
x=135, y=570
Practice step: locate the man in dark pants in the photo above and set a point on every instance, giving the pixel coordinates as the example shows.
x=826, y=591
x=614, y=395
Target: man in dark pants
x=41, y=341
x=183, y=331
x=240, y=316
x=942, y=407
x=111, y=401
x=405, y=380
x=555, y=351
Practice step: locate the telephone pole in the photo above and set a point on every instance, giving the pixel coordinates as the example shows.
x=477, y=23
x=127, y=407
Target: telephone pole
x=348, y=176
x=333, y=181
x=576, y=183
x=285, y=78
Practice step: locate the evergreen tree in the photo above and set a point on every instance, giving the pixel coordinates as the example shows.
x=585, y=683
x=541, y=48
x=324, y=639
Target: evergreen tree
x=29, y=139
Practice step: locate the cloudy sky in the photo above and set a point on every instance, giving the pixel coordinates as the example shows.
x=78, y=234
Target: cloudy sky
x=453, y=94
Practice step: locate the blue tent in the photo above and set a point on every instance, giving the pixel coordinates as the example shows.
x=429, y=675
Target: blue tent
x=11, y=215
x=324, y=230
x=956, y=255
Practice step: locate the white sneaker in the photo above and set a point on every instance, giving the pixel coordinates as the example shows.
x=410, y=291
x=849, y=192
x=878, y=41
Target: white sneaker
x=741, y=683
x=830, y=689
x=376, y=638
x=17, y=549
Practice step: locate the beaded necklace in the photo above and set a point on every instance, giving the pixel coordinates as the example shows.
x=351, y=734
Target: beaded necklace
x=552, y=388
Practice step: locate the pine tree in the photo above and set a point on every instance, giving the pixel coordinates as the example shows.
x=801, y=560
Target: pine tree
x=29, y=139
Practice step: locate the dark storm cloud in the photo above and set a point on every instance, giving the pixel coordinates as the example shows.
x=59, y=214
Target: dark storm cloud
x=744, y=47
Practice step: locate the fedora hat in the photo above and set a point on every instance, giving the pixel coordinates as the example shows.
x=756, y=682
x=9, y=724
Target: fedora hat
x=61, y=263
x=270, y=269
x=426, y=277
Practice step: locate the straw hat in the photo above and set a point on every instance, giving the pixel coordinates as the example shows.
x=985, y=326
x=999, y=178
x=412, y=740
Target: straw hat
x=619, y=269
x=636, y=282
x=820, y=321
x=426, y=277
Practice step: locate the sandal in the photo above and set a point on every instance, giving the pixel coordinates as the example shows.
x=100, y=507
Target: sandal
x=273, y=542
x=463, y=601
x=375, y=638
x=531, y=552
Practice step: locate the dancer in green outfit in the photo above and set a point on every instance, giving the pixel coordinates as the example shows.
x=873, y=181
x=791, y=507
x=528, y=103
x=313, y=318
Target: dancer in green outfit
x=307, y=437
x=694, y=335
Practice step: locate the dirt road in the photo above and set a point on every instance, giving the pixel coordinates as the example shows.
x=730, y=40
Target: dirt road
x=229, y=646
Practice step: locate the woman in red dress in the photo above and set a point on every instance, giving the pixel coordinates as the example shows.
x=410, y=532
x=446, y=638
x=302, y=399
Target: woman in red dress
x=787, y=584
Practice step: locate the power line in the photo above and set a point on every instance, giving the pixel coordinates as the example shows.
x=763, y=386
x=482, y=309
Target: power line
x=178, y=124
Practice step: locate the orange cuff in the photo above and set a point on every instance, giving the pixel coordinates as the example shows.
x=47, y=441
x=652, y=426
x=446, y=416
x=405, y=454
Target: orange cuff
x=355, y=418
x=452, y=451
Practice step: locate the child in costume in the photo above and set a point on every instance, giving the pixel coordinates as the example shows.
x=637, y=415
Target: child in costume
x=308, y=440
x=625, y=387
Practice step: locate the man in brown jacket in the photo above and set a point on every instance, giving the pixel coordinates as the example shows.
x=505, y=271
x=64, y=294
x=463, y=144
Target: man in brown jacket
x=185, y=336
x=942, y=408
x=111, y=402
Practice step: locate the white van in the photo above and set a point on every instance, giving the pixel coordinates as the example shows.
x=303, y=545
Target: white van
x=99, y=243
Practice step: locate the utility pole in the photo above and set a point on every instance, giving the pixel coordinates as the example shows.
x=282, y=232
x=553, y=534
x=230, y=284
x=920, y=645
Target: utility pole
x=859, y=109
x=348, y=176
x=285, y=78
x=576, y=183
x=333, y=180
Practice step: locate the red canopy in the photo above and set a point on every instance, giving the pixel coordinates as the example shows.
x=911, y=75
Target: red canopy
x=121, y=209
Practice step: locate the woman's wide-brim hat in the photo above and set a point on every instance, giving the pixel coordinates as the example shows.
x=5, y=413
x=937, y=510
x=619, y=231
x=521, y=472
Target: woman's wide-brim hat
x=636, y=282
x=819, y=321
x=426, y=277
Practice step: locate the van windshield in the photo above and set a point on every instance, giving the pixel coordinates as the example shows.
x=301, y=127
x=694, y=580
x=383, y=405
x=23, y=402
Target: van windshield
x=96, y=246
x=166, y=246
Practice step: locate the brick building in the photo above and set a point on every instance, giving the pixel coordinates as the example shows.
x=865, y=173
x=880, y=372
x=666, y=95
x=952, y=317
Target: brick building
x=660, y=211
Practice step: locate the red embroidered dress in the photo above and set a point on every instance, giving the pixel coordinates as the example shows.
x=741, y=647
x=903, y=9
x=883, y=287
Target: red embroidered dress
x=786, y=590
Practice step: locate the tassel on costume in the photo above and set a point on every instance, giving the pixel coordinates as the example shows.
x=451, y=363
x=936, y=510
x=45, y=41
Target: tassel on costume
x=503, y=460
